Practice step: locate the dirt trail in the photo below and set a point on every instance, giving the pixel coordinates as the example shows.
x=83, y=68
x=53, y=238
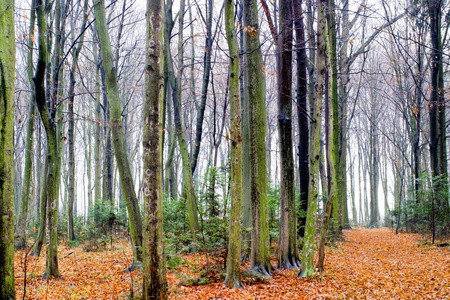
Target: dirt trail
x=370, y=264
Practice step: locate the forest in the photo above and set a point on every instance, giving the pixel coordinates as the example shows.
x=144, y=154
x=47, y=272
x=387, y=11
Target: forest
x=235, y=149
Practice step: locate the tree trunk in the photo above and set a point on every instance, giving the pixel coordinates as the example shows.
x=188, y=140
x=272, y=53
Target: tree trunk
x=42, y=211
x=307, y=267
x=98, y=123
x=260, y=256
x=373, y=168
x=302, y=113
x=154, y=271
x=7, y=81
x=20, y=234
x=71, y=128
x=287, y=247
x=187, y=171
x=126, y=179
x=437, y=107
x=333, y=149
x=205, y=83
x=51, y=189
x=233, y=276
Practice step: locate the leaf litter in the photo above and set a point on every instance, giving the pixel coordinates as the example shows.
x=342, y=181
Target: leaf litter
x=368, y=264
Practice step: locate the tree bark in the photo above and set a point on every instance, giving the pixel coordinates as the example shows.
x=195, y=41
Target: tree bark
x=71, y=127
x=126, y=179
x=20, y=234
x=307, y=267
x=287, y=247
x=51, y=188
x=154, y=272
x=233, y=276
x=260, y=256
x=187, y=171
x=7, y=81
x=302, y=114
x=205, y=83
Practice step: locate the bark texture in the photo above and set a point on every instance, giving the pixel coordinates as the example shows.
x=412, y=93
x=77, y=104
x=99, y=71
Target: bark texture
x=233, y=276
x=126, y=179
x=154, y=272
x=307, y=267
x=260, y=256
x=7, y=81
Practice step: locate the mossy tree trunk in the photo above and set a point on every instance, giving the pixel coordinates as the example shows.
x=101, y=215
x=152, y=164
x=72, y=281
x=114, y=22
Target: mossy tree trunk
x=332, y=206
x=7, y=83
x=179, y=128
x=126, y=179
x=233, y=276
x=307, y=267
x=260, y=256
x=154, y=271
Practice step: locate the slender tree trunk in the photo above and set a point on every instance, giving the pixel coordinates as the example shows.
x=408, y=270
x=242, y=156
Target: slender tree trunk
x=245, y=132
x=126, y=179
x=71, y=128
x=187, y=171
x=307, y=267
x=7, y=81
x=302, y=113
x=98, y=123
x=233, y=276
x=333, y=149
x=52, y=185
x=287, y=247
x=42, y=211
x=205, y=83
x=20, y=234
x=374, y=167
x=154, y=272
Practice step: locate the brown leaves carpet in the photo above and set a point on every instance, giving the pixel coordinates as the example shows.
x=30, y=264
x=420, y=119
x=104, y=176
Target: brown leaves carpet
x=369, y=264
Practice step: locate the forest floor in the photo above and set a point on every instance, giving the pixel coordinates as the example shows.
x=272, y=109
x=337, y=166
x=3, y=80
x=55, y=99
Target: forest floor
x=367, y=264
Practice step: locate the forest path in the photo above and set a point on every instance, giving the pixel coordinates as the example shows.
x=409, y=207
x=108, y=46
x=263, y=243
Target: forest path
x=369, y=264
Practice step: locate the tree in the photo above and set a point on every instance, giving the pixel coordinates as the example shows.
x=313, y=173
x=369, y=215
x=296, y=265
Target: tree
x=7, y=79
x=71, y=127
x=302, y=114
x=260, y=256
x=179, y=128
x=287, y=248
x=20, y=239
x=126, y=179
x=48, y=114
x=438, y=150
x=154, y=272
x=314, y=153
x=233, y=277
